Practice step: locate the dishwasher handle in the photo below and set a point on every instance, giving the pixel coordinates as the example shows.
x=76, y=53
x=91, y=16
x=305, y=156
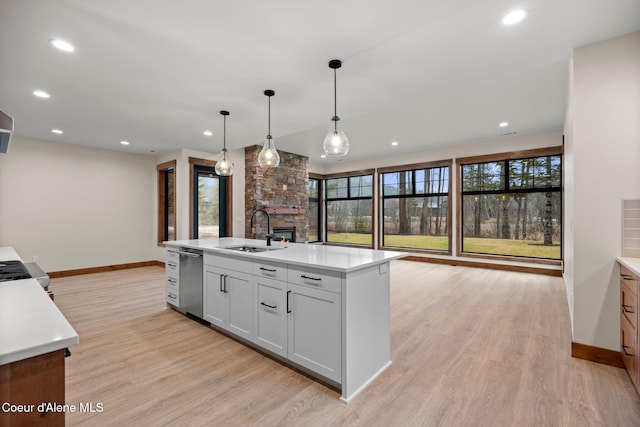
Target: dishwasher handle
x=190, y=254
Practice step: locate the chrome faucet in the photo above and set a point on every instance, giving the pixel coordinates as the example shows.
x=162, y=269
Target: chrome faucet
x=268, y=236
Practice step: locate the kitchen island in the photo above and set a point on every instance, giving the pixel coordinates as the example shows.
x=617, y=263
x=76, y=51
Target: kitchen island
x=321, y=309
x=33, y=338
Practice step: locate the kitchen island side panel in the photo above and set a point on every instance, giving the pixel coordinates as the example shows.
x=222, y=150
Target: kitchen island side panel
x=366, y=328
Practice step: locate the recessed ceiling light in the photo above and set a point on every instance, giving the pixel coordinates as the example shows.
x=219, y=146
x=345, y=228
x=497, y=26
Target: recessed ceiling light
x=394, y=143
x=57, y=131
x=124, y=142
x=514, y=17
x=207, y=133
x=323, y=156
x=62, y=45
x=41, y=94
x=503, y=124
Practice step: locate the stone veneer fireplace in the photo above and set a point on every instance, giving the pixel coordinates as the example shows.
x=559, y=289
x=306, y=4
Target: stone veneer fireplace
x=283, y=191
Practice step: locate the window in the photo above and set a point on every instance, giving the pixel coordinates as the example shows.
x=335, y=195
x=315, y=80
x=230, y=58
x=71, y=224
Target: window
x=511, y=204
x=313, y=209
x=416, y=206
x=349, y=209
x=166, y=202
x=210, y=201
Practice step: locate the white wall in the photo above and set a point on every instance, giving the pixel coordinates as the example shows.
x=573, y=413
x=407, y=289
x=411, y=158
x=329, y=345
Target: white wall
x=76, y=207
x=604, y=145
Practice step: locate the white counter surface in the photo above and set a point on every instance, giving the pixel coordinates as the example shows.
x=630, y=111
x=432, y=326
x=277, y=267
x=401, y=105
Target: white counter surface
x=632, y=264
x=328, y=257
x=30, y=322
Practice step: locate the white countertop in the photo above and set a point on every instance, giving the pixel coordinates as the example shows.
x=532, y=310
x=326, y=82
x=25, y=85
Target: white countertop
x=30, y=322
x=632, y=264
x=327, y=257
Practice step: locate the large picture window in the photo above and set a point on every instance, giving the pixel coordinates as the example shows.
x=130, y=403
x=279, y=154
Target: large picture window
x=349, y=209
x=416, y=206
x=512, y=206
x=313, y=209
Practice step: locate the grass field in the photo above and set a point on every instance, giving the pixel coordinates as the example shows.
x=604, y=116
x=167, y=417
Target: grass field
x=525, y=248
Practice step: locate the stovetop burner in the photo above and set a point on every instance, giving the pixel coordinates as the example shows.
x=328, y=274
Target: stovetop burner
x=13, y=270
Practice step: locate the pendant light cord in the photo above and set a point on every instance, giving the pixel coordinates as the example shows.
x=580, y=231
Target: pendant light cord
x=335, y=101
x=224, y=132
x=269, y=118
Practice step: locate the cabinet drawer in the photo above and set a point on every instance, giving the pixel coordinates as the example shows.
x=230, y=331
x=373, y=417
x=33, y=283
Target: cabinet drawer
x=172, y=254
x=228, y=262
x=629, y=278
x=270, y=270
x=171, y=281
x=171, y=294
x=315, y=278
x=628, y=347
x=629, y=305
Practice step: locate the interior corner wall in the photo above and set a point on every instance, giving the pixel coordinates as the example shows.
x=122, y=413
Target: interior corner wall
x=76, y=207
x=605, y=145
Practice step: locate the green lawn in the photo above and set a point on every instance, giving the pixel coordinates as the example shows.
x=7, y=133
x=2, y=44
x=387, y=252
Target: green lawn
x=526, y=248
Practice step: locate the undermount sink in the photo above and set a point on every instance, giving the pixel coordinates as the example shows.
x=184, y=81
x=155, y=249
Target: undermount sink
x=251, y=249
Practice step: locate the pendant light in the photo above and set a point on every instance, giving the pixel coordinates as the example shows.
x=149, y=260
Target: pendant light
x=336, y=143
x=224, y=167
x=269, y=155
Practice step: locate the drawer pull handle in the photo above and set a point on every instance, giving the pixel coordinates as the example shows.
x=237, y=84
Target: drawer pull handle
x=311, y=278
x=270, y=270
x=172, y=264
x=288, y=308
x=172, y=296
x=624, y=350
x=273, y=307
x=172, y=280
x=626, y=308
x=626, y=276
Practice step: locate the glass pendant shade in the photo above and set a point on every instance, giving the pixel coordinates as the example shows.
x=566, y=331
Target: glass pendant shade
x=269, y=155
x=336, y=143
x=224, y=166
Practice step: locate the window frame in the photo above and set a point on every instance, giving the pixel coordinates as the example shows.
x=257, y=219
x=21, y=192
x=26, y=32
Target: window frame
x=228, y=182
x=163, y=201
x=319, y=201
x=364, y=172
x=506, y=157
x=412, y=168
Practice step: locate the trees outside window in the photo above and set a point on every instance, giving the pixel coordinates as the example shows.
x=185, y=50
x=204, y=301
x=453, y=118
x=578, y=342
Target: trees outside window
x=416, y=206
x=512, y=206
x=349, y=209
x=313, y=209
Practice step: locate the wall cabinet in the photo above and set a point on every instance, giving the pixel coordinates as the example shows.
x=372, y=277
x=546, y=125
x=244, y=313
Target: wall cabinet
x=228, y=298
x=629, y=317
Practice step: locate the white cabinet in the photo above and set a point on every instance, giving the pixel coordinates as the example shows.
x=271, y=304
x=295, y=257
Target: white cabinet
x=228, y=296
x=314, y=330
x=300, y=321
x=171, y=277
x=271, y=315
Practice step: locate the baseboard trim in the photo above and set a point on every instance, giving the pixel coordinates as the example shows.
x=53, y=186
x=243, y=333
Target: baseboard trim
x=597, y=354
x=102, y=269
x=479, y=264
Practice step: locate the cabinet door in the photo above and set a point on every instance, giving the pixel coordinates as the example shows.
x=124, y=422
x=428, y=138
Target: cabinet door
x=271, y=317
x=215, y=301
x=240, y=306
x=315, y=330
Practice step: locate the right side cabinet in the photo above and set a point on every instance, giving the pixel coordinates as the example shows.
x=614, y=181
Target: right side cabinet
x=629, y=337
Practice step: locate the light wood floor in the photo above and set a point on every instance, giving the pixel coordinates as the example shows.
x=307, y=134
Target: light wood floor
x=470, y=347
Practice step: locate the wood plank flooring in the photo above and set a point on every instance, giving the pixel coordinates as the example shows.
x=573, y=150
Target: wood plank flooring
x=470, y=347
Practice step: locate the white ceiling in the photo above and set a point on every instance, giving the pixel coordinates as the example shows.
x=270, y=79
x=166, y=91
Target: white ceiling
x=423, y=72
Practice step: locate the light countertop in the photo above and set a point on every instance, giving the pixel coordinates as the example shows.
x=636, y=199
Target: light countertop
x=30, y=323
x=632, y=264
x=327, y=257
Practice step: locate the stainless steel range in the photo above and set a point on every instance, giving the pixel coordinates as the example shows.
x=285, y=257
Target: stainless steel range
x=17, y=270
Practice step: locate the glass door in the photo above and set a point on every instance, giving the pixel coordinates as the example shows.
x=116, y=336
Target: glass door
x=209, y=199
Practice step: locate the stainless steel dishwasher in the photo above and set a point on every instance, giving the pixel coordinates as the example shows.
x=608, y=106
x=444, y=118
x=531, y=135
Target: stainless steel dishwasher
x=190, y=281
